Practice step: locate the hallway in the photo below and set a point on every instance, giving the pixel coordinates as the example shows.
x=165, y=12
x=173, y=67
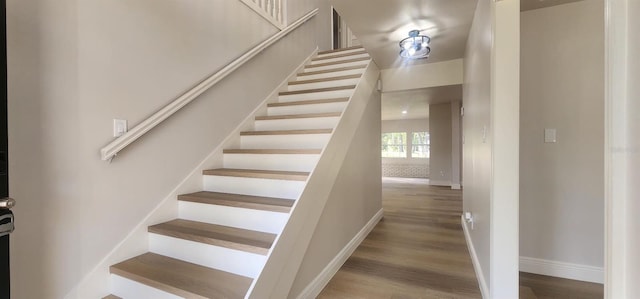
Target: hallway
x=417, y=250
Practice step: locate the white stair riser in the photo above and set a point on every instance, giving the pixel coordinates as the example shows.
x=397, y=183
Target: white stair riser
x=257, y=220
x=343, y=93
x=303, y=109
x=340, y=52
x=221, y=258
x=335, y=66
x=358, y=71
x=129, y=289
x=296, y=123
x=271, y=161
x=253, y=186
x=293, y=141
x=307, y=86
x=355, y=56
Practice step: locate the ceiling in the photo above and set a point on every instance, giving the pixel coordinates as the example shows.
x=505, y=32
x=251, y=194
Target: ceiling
x=381, y=24
x=535, y=4
x=416, y=102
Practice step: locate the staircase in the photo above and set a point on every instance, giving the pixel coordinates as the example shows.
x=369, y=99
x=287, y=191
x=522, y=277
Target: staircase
x=225, y=233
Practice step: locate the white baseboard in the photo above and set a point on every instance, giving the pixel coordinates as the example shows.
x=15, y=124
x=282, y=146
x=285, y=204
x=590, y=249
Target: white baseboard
x=562, y=269
x=439, y=183
x=456, y=186
x=484, y=289
x=315, y=287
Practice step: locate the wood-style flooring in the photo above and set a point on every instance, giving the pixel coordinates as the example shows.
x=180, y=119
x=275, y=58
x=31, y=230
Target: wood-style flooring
x=418, y=250
x=546, y=287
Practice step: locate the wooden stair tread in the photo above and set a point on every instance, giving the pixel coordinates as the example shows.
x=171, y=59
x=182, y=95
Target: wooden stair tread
x=339, y=50
x=273, y=151
x=286, y=132
x=281, y=205
x=346, y=68
x=182, y=278
x=308, y=102
x=111, y=297
x=259, y=174
x=346, y=77
x=311, y=66
x=527, y=293
x=218, y=235
x=339, y=55
x=297, y=116
x=326, y=89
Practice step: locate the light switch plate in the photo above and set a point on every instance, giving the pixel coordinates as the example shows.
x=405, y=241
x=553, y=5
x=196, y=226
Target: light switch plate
x=550, y=136
x=119, y=127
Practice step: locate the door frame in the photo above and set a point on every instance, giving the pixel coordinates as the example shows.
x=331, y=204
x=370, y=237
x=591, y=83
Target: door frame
x=619, y=155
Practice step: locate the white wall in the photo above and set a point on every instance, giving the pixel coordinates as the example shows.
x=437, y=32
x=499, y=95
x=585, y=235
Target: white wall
x=73, y=66
x=348, y=209
x=405, y=125
x=476, y=151
x=490, y=126
x=622, y=152
x=456, y=145
x=633, y=168
x=406, y=167
x=562, y=87
x=440, y=134
x=442, y=73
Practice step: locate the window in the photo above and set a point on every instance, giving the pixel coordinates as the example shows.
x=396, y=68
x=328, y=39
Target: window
x=420, y=145
x=394, y=145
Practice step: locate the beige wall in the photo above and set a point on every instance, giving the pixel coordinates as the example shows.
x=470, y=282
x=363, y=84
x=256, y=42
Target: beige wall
x=634, y=154
x=476, y=151
x=440, y=134
x=562, y=87
x=490, y=126
x=423, y=76
x=348, y=209
x=405, y=125
x=456, y=145
x=73, y=66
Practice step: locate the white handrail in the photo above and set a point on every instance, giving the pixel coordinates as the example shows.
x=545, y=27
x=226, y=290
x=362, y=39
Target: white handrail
x=112, y=149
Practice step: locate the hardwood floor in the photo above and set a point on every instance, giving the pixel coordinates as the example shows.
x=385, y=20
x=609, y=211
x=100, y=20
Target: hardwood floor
x=418, y=250
x=545, y=287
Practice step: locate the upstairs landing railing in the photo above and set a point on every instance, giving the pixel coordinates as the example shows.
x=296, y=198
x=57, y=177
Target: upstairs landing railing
x=272, y=10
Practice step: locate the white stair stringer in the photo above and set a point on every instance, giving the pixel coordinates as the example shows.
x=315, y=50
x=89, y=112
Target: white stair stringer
x=290, y=125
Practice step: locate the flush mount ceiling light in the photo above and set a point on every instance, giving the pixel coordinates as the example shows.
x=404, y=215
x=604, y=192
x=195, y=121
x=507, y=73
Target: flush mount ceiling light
x=415, y=46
